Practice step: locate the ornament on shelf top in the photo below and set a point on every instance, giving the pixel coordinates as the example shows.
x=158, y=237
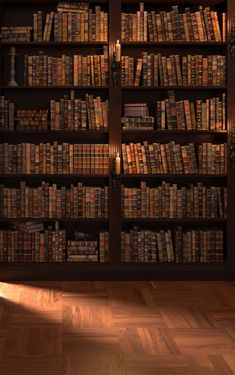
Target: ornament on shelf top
x=13, y=55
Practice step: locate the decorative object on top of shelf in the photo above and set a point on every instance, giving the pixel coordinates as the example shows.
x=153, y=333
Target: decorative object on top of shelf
x=13, y=55
x=232, y=149
x=232, y=42
x=116, y=64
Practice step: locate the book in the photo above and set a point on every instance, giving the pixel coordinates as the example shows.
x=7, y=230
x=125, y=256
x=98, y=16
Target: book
x=7, y=114
x=28, y=226
x=138, y=123
x=16, y=33
x=136, y=110
x=32, y=119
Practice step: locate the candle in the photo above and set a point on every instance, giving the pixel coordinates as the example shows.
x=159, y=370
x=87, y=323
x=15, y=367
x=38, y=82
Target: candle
x=118, y=164
x=118, y=51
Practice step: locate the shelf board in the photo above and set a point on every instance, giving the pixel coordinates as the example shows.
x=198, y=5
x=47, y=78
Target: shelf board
x=176, y=2
x=45, y=2
x=54, y=175
x=121, y=271
x=176, y=221
x=174, y=131
x=161, y=176
x=174, y=88
x=3, y=219
x=100, y=132
x=107, y=87
x=173, y=44
x=16, y=88
x=56, y=132
x=54, y=44
x=122, y=264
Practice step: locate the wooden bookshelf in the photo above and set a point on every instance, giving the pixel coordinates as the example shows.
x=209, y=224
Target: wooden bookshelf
x=116, y=269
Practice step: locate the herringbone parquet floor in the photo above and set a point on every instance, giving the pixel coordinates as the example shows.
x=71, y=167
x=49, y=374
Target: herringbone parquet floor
x=117, y=328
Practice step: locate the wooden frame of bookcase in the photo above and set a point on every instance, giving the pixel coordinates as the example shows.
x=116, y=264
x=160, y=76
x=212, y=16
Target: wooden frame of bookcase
x=116, y=270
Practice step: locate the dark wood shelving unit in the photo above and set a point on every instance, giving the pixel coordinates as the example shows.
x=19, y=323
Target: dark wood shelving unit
x=116, y=269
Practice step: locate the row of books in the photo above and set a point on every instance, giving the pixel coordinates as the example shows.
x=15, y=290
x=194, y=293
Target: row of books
x=81, y=25
x=50, y=201
x=50, y=246
x=55, y=158
x=174, y=201
x=31, y=119
x=180, y=246
x=199, y=26
x=46, y=246
x=209, y=114
x=173, y=70
x=16, y=33
x=76, y=70
x=91, y=113
x=174, y=158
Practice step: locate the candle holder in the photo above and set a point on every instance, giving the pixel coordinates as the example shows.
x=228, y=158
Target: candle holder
x=232, y=42
x=12, y=81
x=116, y=178
x=232, y=150
x=116, y=65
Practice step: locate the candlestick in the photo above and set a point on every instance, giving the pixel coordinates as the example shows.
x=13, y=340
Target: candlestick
x=118, y=51
x=12, y=54
x=118, y=164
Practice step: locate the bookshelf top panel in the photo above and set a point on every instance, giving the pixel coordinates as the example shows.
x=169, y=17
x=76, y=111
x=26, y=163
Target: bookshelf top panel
x=45, y=2
x=177, y=2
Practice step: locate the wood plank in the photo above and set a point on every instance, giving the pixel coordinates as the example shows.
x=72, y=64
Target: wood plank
x=142, y=328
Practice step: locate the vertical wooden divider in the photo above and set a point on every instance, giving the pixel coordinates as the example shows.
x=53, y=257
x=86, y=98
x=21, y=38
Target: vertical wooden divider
x=231, y=129
x=114, y=134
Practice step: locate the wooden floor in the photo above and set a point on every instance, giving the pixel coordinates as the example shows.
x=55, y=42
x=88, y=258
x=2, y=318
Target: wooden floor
x=117, y=328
